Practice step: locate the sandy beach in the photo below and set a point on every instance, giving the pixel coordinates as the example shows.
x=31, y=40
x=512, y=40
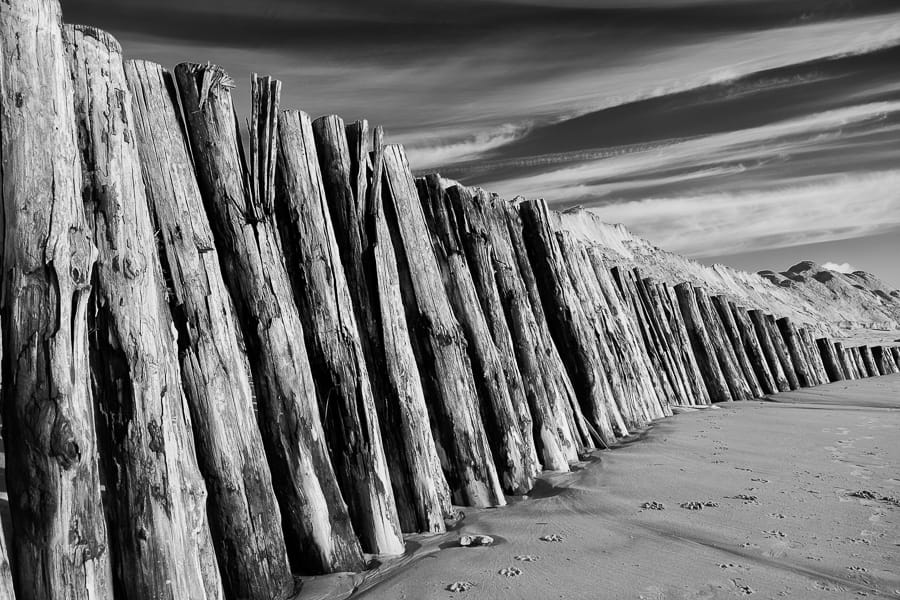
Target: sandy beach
x=791, y=498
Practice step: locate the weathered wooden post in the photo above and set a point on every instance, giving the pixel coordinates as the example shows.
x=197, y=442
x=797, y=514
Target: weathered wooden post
x=733, y=337
x=856, y=353
x=869, y=361
x=895, y=352
x=883, y=360
x=760, y=326
x=781, y=349
x=60, y=547
x=6, y=576
x=830, y=359
x=439, y=342
x=556, y=376
x=754, y=350
x=244, y=515
x=473, y=218
x=317, y=526
x=703, y=348
x=621, y=409
x=161, y=541
x=740, y=389
x=676, y=323
x=506, y=414
x=572, y=333
x=420, y=487
x=657, y=304
x=332, y=338
x=813, y=356
x=798, y=359
x=843, y=357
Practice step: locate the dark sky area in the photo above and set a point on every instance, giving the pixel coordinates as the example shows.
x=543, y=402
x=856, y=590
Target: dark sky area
x=750, y=132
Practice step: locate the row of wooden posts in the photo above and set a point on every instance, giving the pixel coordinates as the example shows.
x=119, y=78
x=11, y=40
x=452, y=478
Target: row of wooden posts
x=278, y=358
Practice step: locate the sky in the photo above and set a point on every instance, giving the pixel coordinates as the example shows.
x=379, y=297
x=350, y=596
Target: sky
x=755, y=133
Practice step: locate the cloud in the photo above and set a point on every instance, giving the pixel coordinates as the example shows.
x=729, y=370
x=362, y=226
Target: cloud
x=839, y=267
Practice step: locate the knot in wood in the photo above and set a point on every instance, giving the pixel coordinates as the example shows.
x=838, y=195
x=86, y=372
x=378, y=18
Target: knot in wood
x=81, y=258
x=132, y=265
x=64, y=444
x=156, y=437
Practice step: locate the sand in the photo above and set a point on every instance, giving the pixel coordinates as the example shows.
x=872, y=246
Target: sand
x=753, y=499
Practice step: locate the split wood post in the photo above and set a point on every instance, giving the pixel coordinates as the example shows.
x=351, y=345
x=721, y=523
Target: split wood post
x=59, y=548
x=624, y=281
x=244, y=515
x=740, y=389
x=555, y=373
x=438, y=341
x=702, y=345
x=339, y=371
x=781, y=349
x=830, y=359
x=474, y=217
x=798, y=359
x=895, y=352
x=620, y=407
x=571, y=331
x=677, y=325
x=657, y=304
x=318, y=531
x=770, y=350
x=420, y=487
x=6, y=577
x=754, y=350
x=161, y=541
x=883, y=361
x=843, y=359
x=630, y=340
x=813, y=356
x=733, y=337
x=869, y=361
x=506, y=417
x=856, y=354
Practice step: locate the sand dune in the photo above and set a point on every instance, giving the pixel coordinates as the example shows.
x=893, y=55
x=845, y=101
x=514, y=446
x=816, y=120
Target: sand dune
x=796, y=497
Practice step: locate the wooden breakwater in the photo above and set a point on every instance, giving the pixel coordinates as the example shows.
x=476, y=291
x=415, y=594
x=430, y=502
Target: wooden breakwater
x=277, y=358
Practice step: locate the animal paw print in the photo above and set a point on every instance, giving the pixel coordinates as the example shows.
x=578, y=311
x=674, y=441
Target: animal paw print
x=551, y=537
x=527, y=558
x=460, y=586
x=711, y=504
x=858, y=569
x=748, y=499
x=511, y=572
x=653, y=506
x=759, y=480
x=692, y=505
x=774, y=533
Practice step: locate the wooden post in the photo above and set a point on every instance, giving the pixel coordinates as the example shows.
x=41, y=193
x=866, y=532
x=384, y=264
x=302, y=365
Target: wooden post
x=677, y=325
x=317, y=526
x=755, y=353
x=869, y=361
x=813, y=356
x=843, y=357
x=572, y=333
x=655, y=304
x=244, y=516
x=702, y=345
x=161, y=541
x=895, y=352
x=439, y=342
x=6, y=576
x=506, y=415
x=740, y=389
x=555, y=372
x=338, y=366
x=420, y=488
x=782, y=351
x=760, y=326
x=858, y=361
x=60, y=548
x=733, y=337
x=798, y=359
x=510, y=319
x=883, y=360
x=830, y=359
x=620, y=408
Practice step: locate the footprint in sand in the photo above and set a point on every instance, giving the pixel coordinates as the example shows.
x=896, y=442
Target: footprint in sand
x=551, y=537
x=510, y=572
x=653, y=506
x=460, y=586
x=759, y=480
x=748, y=499
x=527, y=558
x=776, y=515
x=774, y=533
x=744, y=590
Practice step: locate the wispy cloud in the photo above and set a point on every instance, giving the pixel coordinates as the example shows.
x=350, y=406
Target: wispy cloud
x=843, y=267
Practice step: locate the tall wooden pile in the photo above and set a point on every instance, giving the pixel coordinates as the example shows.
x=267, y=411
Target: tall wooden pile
x=505, y=409
x=317, y=525
x=438, y=341
x=60, y=547
x=420, y=487
x=702, y=344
